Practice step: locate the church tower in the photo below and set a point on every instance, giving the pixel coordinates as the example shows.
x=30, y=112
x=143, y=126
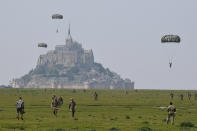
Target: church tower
x=69, y=38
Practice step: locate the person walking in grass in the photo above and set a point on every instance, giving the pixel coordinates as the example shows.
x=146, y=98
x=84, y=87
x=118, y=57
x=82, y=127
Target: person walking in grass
x=20, y=108
x=171, y=113
x=60, y=101
x=54, y=105
x=95, y=96
x=171, y=96
x=189, y=95
x=195, y=96
x=181, y=96
x=126, y=92
x=72, y=106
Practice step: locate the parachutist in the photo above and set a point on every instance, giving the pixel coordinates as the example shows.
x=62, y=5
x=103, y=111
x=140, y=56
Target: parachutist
x=170, y=64
x=171, y=39
x=57, y=17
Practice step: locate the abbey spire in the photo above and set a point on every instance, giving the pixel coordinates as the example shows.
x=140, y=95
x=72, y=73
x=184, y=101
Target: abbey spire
x=69, y=38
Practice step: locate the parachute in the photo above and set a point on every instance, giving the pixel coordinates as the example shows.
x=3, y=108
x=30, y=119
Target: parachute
x=42, y=45
x=171, y=42
x=57, y=16
x=171, y=38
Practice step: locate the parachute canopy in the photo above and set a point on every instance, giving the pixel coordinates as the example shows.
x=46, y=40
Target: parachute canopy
x=42, y=45
x=171, y=38
x=57, y=16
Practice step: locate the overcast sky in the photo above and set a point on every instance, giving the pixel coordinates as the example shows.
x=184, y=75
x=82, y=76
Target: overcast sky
x=123, y=34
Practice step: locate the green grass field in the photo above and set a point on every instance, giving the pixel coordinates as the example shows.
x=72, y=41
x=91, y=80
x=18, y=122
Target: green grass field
x=114, y=110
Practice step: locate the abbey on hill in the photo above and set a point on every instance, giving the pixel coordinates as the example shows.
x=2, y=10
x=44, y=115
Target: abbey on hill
x=70, y=66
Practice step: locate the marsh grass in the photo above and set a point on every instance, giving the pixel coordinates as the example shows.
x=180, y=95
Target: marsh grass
x=113, y=111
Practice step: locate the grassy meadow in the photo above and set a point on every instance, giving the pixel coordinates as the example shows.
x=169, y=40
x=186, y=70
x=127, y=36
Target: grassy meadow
x=114, y=111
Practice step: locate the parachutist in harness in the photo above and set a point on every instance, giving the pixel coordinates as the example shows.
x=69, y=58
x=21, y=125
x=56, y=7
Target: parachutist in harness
x=171, y=39
x=72, y=106
x=20, y=108
x=57, y=17
x=54, y=105
x=171, y=113
x=170, y=64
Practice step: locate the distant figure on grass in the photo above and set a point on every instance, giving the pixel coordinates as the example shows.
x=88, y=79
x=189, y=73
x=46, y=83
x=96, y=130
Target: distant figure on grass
x=189, y=95
x=20, y=108
x=171, y=96
x=95, y=96
x=60, y=101
x=54, y=105
x=72, y=106
x=181, y=96
x=171, y=113
x=195, y=96
x=126, y=92
x=73, y=91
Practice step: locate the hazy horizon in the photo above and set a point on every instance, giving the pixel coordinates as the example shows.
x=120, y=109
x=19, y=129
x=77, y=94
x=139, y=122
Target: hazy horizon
x=125, y=37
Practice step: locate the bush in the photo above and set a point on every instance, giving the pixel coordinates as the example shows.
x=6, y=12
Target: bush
x=60, y=129
x=187, y=124
x=144, y=129
x=145, y=122
x=114, y=129
x=127, y=117
x=75, y=118
x=22, y=128
x=115, y=118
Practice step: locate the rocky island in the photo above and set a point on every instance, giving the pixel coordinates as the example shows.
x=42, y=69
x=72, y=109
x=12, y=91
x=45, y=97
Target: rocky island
x=71, y=66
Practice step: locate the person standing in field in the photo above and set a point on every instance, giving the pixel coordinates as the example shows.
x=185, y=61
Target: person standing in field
x=171, y=113
x=126, y=92
x=73, y=91
x=189, y=95
x=181, y=96
x=60, y=101
x=72, y=106
x=171, y=96
x=95, y=96
x=54, y=105
x=195, y=96
x=20, y=108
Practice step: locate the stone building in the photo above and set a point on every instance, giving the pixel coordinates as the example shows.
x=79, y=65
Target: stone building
x=69, y=55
